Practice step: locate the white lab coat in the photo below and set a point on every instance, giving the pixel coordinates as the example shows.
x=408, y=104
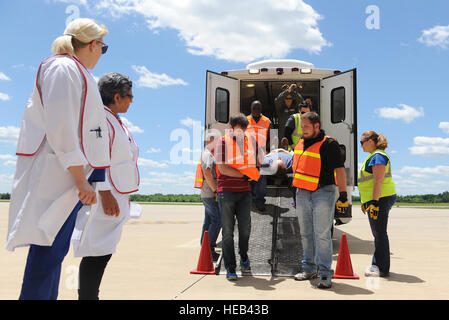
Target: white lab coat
x=97, y=234
x=58, y=131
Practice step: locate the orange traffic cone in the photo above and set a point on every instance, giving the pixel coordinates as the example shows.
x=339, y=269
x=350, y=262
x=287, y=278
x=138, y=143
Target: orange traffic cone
x=344, y=265
x=205, y=264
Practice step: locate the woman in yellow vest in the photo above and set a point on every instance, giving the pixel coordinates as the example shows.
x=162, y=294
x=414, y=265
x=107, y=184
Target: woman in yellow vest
x=377, y=194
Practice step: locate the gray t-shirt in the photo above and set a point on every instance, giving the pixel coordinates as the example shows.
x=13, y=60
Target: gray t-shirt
x=208, y=161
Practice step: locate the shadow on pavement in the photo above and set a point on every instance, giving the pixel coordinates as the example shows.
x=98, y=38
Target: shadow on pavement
x=407, y=278
x=342, y=288
x=346, y=289
x=356, y=245
x=265, y=284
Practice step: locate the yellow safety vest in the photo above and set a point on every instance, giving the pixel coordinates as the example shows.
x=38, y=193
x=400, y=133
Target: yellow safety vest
x=365, y=180
x=297, y=133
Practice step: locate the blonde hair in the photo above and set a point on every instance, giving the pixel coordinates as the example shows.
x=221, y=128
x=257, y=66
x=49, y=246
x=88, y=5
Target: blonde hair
x=379, y=139
x=78, y=34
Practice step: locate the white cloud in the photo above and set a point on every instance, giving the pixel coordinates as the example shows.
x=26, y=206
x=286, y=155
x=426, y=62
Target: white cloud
x=430, y=146
x=190, y=150
x=153, y=80
x=151, y=163
x=10, y=159
x=6, y=183
x=4, y=97
x=131, y=127
x=439, y=171
x=9, y=134
x=75, y=2
x=4, y=77
x=189, y=122
x=444, y=126
x=404, y=112
x=421, y=180
x=168, y=182
x=154, y=150
x=437, y=36
x=234, y=30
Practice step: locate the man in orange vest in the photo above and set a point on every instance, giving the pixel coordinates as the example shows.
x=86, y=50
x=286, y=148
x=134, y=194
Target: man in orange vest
x=316, y=163
x=237, y=155
x=259, y=127
x=206, y=180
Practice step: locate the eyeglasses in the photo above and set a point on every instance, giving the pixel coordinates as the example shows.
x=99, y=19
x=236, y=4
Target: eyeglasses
x=288, y=98
x=104, y=47
x=363, y=141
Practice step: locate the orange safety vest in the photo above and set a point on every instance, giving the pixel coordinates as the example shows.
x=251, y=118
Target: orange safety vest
x=307, y=165
x=259, y=129
x=245, y=163
x=199, y=177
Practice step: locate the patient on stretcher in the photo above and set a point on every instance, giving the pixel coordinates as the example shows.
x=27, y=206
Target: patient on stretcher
x=277, y=163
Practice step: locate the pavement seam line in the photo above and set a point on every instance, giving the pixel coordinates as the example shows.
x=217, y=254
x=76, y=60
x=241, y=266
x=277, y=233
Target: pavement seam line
x=179, y=294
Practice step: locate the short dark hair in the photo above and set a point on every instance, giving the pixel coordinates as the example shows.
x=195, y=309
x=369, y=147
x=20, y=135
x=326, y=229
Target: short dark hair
x=239, y=120
x=313, y=117
x=304, y=105
x=282, y=170
x=112, y=83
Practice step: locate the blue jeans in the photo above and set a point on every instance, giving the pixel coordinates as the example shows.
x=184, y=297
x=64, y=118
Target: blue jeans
x=381, y=257
x=212, y=221
x=315, y=210
x=259, y=190
x=235, y=205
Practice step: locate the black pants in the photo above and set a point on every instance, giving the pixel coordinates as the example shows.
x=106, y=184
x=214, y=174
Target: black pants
x=90, y=275
x=381, y=257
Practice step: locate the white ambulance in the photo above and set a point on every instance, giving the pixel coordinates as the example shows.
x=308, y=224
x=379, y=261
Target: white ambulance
x=333, y=94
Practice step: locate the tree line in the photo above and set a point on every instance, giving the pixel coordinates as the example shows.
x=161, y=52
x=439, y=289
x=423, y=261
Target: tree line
x=159, y=197
x=424, y=198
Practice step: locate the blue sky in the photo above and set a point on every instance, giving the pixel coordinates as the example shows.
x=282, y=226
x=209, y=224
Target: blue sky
x=166, y=46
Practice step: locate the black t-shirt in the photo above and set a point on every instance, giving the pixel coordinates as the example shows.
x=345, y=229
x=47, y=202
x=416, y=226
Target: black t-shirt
x=330, y=158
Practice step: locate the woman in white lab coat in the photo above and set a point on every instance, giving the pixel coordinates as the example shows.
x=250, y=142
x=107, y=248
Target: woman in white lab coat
x=99, y=227
x=63, y=148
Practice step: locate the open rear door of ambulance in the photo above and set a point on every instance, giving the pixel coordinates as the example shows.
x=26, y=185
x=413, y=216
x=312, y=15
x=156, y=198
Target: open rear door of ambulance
x=338, y=96
x=222, y=100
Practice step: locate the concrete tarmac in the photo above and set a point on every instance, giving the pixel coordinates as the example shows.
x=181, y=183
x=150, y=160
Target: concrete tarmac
x=157, y=252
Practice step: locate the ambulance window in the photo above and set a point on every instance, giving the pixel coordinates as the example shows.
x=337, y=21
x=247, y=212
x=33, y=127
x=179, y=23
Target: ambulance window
x=338, y=108
x=222, y=105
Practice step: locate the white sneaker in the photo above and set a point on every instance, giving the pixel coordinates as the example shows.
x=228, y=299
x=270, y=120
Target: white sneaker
x=372, y=271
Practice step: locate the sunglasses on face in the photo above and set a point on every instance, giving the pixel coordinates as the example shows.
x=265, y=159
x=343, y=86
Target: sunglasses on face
x=363, y=141
x=104, y=47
